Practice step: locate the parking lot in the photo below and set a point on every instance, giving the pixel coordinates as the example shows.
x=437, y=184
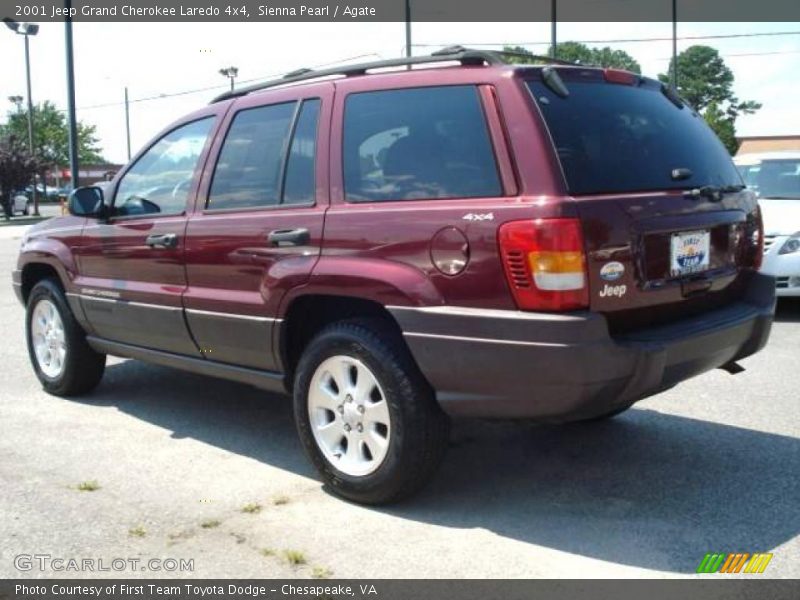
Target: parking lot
x=190, y=467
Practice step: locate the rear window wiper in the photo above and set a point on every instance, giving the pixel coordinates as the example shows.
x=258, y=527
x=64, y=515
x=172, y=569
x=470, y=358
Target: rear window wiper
x=715, y=193
x=672, y=95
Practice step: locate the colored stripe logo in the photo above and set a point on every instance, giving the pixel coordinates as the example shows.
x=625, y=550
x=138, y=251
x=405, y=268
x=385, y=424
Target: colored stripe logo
x=714, y=562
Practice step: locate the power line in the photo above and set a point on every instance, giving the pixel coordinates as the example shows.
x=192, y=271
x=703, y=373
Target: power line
x=484, y=44
x=626, y=40
x=217, y=87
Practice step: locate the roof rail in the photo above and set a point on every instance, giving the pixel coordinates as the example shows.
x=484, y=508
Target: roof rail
x=466, y=56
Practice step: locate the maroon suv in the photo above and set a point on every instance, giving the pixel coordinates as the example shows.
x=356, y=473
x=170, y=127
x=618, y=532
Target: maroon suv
x=463, y=238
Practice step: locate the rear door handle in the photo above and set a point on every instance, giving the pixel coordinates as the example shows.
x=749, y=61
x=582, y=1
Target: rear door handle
x=162, y=240
x=289, y=237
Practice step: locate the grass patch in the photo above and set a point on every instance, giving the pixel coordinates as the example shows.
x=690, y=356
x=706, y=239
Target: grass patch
x=267, y=552
x=88, y=486
x=280, y=500
x=137, y=531
x=251, y=508
x=294, y=557
x=179, y=536
x=210, y=523
x=321, y=573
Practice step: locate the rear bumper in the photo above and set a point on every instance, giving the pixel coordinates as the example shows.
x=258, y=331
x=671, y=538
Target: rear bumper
x=509, y=364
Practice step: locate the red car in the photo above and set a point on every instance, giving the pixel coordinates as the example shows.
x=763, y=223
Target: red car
x=393, y=248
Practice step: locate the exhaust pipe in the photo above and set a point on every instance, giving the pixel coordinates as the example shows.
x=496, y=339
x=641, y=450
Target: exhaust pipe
x=732, y=367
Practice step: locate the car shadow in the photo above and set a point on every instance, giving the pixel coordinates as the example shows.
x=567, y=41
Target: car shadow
x=646, y=489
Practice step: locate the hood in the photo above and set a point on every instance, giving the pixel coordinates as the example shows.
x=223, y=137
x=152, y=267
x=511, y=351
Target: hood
x=781, y=217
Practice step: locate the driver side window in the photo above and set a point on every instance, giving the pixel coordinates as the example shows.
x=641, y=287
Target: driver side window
x=159, y=182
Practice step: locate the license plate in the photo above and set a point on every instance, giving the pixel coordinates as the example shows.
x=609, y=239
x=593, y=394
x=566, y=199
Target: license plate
x=689, y=252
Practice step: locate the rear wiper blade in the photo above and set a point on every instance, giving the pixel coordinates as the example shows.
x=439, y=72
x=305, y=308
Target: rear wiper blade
x=715, y=193
x=730, y=189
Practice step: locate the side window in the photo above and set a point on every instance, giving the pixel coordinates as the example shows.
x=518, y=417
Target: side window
x=417, y=143
x=160, y=180
x=300, y=183
x=249, y=166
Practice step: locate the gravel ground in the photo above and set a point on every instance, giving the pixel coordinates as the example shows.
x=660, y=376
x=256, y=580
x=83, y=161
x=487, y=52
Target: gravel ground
x=180, y=459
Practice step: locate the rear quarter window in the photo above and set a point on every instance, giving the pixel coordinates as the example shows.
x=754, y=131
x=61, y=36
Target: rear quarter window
x=420, y=143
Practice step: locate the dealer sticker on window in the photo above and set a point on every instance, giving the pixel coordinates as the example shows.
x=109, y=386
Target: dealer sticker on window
x=689, y=252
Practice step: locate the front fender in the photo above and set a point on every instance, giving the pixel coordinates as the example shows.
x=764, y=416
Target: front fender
x=53, y=253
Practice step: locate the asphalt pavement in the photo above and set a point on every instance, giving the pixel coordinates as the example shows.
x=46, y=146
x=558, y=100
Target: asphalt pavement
x=160, y=464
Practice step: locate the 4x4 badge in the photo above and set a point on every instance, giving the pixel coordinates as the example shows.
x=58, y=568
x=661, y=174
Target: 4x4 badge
x=478, y=217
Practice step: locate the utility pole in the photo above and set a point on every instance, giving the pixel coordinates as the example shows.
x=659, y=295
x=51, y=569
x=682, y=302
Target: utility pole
x=553, y=37
x=73, y=121
x=408, y=30
x=127, y=123
x=674, y=73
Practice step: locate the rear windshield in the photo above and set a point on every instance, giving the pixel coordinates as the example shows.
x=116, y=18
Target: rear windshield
x=779, y=179
x=624, y=138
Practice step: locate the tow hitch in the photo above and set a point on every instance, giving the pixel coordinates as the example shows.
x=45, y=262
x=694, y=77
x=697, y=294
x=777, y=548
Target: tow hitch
x=732, y=367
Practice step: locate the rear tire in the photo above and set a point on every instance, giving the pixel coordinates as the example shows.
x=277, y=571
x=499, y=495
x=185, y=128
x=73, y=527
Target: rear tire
x=59, y=353
x=370, y=424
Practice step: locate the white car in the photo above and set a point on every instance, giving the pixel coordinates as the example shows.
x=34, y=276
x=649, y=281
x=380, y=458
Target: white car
x=775, y=178
x=21, y=204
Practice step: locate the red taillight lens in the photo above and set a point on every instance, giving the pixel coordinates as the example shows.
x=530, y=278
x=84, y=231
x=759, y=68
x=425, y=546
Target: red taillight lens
x=545, y=264
x=758, y=257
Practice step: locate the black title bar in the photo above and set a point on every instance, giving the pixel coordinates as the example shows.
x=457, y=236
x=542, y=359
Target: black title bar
x=265, y=11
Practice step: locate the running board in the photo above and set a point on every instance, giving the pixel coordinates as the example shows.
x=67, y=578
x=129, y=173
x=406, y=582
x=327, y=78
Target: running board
x=265, y=380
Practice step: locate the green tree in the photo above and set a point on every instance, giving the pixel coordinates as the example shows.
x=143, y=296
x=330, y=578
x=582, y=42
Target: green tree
x=723, y=126
x=583, y=54
x=17, y=168
x=706, y=82
x=51, y=136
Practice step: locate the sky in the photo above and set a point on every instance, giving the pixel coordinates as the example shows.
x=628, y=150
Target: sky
x=157, y=60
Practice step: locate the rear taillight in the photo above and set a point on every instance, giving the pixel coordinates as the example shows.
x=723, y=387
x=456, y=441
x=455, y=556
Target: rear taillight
x=545, y=264
x=759, y=251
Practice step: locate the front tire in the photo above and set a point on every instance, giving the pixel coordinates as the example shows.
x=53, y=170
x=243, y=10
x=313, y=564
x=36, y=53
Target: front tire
x=368, y=420
x=59, y=353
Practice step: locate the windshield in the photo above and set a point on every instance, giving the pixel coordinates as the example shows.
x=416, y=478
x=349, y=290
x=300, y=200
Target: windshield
x=776, y=178
x=614, y=138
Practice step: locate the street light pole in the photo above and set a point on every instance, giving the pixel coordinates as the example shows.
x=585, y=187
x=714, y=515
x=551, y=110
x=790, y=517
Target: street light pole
x=73, y=120
x=26, y=30
x=16, y=101
x=230, y=73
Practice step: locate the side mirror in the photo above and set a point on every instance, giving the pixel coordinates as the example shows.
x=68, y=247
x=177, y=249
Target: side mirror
x=87, y=202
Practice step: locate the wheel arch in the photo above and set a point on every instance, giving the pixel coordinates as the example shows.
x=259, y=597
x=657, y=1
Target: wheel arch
x=308, y=314
x=36, y=271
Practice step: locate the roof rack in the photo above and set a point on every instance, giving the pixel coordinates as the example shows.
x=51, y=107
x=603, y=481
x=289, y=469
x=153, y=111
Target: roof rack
x=466, y=56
